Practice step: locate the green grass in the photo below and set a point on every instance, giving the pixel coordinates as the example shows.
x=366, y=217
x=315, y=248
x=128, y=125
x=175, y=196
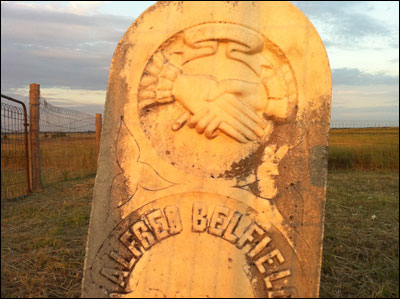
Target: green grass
x=43, y=238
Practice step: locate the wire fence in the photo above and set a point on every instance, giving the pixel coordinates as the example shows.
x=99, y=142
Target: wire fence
x=67, y=143
x=62, y=144
x=347, y=124
x=14, y=149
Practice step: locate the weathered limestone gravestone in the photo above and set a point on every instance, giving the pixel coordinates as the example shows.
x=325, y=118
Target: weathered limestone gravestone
x=212, y=169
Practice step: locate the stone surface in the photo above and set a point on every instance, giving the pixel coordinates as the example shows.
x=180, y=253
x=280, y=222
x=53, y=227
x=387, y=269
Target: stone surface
x=212, y=168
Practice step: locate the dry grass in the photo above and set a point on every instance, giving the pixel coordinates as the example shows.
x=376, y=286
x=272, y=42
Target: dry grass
x=361, y=244
x=73, y=155
x=13, y=166
x=66, y=157
x=366, y=148
x=63, y=156
x=43, y=239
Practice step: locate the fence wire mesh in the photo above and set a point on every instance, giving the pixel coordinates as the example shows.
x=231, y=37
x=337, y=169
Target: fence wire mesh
x=14, y=157
x=347, y=124
x=67, y=143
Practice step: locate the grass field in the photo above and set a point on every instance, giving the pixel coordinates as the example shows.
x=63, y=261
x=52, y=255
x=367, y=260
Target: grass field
x=42, y=248
x=63, y=156
x=361, y=242
x=66, y=157
x=73, y=155
x=364, y=149
x=13, y=166
x=43, y=241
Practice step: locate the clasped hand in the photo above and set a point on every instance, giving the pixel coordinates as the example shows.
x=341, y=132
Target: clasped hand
x=231, y=106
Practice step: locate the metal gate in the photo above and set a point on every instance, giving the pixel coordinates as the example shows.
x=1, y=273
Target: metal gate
x=15, y=181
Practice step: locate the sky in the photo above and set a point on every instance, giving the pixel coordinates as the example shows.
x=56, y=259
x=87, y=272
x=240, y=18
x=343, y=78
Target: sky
x=67, y=47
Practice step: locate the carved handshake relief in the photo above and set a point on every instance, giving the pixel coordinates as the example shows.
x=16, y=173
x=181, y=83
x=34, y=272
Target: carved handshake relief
x=232, y=106
x=239, y=108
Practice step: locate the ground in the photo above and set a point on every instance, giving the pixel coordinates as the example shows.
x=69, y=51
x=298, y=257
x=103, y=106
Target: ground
x=43, y=238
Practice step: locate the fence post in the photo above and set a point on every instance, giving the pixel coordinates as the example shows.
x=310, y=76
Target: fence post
x=98, y=133
x=34, y=117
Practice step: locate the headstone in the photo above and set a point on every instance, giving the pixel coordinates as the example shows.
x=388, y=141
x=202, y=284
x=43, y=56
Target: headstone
x=212, y=170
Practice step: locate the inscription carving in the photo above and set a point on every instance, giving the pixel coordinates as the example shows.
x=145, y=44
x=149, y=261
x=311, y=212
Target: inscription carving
x=160, y=224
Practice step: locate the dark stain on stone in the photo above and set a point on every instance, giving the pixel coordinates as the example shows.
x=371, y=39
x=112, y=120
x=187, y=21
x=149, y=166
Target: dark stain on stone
x=259, y=289
x=318, y=163
x=246, y=166
x=233, y=3
x=253, y=187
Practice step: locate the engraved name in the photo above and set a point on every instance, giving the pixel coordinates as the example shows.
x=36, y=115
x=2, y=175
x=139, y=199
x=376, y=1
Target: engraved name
x=252, y=242
x=160, y=224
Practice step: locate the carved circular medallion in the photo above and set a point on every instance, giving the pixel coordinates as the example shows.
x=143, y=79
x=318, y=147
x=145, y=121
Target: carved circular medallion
x=211, y=95
x=255, y=257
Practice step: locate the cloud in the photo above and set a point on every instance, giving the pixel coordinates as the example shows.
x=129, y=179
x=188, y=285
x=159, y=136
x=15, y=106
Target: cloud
x=60, y=44
x=55, y=48
x=353, y=76
x=348, y=23
x=365, y=102
x=20, y=67
x=27, y=25
x=74, y=7
x=366, y=114
x=83, y=7
x=88, y=101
